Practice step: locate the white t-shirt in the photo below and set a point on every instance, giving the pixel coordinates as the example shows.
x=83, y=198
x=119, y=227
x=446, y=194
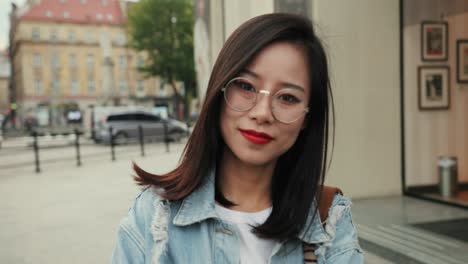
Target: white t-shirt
x=252, y=248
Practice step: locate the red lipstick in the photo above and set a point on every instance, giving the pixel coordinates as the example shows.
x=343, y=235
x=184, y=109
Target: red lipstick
x=255, y=136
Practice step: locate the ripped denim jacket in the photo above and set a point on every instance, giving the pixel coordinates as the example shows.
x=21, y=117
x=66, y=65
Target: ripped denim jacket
x=189, y=231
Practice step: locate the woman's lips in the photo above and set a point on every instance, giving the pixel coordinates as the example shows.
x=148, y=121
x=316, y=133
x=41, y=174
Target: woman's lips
x=255, y=136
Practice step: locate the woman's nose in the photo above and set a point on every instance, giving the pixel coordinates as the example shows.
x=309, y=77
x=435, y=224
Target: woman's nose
x=261, y=112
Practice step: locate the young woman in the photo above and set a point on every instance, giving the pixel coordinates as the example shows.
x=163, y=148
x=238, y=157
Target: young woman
x=248, y=185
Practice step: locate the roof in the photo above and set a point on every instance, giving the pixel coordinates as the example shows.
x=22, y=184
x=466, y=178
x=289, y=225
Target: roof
x=76, y=11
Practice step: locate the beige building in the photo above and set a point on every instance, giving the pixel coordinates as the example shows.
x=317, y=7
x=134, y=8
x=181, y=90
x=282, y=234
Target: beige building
x=72, y=53
x=4, y=77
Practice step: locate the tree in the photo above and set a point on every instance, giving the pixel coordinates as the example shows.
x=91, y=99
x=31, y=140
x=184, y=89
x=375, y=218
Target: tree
x=164, y=30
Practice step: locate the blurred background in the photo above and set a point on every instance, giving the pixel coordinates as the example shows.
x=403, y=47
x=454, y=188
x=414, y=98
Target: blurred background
x=87, y=86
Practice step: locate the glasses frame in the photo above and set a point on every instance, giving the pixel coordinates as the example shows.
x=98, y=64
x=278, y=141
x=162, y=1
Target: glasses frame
x=257, y=92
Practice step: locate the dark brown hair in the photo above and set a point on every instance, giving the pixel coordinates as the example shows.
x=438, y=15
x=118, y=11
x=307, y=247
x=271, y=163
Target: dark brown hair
x=299, y=173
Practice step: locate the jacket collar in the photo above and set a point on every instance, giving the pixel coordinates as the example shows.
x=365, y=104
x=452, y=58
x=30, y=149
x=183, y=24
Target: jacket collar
x=200, y=206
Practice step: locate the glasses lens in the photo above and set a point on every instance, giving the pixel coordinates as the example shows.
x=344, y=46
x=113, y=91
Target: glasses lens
x=240, y=94
x=289, y=105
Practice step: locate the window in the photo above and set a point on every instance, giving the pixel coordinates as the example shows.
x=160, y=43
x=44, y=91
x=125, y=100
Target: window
x=71, y=35
x=48, y=13
x=36, y=34
x=91, y=87
x=38, y=87
x=90, y=61
x=141, y=86
x=123, y=86
x=72, y=60
x=89, y=36
x=55, y=61
x=109, y=17
x=83, y=2
x=66, y=14
x=53, y=34
x=140, y=61
x=123, y=61
x=37, y=60
x=104, y=2
x=74, y=87
x=99, y=16
x=162, y=88
x=55, y=86
x=121, y=39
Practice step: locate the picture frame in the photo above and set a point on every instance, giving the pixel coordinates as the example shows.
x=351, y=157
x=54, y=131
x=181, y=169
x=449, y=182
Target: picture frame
x=462, y=61
x=434, y=41
x=434, y=87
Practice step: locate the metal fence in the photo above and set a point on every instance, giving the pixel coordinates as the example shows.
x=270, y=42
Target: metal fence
x=38, y=142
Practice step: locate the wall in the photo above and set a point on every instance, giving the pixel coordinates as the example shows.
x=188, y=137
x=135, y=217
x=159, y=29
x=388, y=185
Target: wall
x=362, y=39
x=430, y=134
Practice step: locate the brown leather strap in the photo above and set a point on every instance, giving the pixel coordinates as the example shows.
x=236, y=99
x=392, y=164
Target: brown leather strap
x=326, y=200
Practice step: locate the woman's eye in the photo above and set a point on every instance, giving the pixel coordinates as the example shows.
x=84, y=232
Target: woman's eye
x=288, y=99
x=245, y=86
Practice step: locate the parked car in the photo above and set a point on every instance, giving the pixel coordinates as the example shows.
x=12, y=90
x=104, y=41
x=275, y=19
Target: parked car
x=125, y=127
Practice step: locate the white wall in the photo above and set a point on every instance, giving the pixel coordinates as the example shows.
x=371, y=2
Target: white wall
x=362, y=39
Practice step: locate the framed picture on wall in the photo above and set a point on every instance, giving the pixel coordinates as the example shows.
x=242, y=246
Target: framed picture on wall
x=434, y=87
x=462, y=60
x=434, y=41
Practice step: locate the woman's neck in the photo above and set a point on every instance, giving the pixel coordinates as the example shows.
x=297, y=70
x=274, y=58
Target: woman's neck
x=246, y=185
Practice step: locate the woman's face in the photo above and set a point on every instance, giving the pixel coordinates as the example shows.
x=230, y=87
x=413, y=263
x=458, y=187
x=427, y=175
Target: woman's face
x=255, y=137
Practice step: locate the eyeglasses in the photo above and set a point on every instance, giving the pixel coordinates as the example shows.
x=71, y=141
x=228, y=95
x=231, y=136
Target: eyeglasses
x=287, y=106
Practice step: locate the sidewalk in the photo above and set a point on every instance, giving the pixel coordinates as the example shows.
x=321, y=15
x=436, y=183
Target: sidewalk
x=69, y=214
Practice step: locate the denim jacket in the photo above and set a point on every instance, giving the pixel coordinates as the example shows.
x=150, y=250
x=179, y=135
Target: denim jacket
x=189, y=231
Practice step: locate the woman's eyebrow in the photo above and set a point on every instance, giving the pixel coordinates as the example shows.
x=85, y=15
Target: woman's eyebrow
x=292, y=85
x=283, y=84
x=251, y=73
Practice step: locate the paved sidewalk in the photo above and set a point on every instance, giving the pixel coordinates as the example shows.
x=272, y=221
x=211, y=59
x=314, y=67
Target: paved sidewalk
x=68, y=214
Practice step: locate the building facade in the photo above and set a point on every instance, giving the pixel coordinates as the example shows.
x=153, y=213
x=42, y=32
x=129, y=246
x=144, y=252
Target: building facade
x=71, y=54
x=4, y=77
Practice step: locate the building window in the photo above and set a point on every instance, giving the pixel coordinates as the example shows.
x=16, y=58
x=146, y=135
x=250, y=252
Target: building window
x=90, y=36
x=37, y=60
x=162, y=88
x=104, y=2
x=66, y=14
x=38, y=88
x=53, y=35
x=74, y=87
x=83, y=2
x=71, y=35
x=140, y=61
x=110, y=17
x=48, y=13
x=121, y=39
x=55, y=61
x=99, y=16
x=123, y=86
x=36, y=34
x=90, y=61
x=91, y=87
x=123, y=61
x=72, y=59
x=55, y=87
x=141, y=86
